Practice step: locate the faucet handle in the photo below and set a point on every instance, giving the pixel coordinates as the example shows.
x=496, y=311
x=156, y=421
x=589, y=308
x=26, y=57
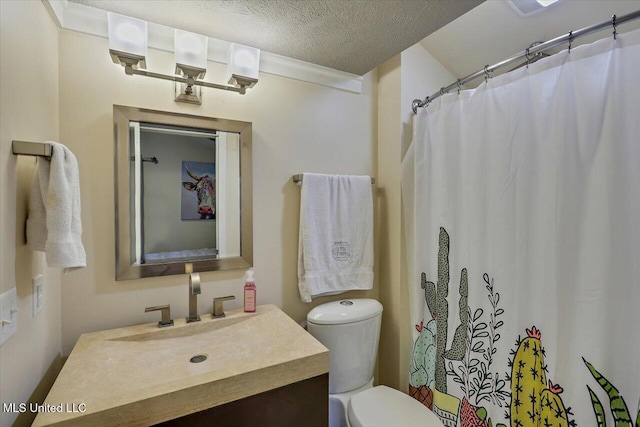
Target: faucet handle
x=166, y=314
x=218, y=307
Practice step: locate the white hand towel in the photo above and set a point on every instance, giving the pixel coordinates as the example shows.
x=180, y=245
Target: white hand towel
x=54, y=225
x=335, y=248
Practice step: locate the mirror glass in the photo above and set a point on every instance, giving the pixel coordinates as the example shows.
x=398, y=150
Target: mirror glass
x=183, y=193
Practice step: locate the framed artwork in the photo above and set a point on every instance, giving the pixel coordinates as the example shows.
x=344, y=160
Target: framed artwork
x=198, y=195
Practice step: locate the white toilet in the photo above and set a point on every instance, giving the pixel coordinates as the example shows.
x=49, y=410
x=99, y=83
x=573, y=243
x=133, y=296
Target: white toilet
x=350, y=329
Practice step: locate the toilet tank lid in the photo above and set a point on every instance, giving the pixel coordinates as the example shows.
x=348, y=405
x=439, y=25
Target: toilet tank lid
x=344, y=311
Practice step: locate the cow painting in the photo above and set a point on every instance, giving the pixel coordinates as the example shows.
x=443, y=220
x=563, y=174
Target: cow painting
x=202, y=184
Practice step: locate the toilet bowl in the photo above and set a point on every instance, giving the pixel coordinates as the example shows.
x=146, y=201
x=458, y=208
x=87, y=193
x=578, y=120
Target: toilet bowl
x=350, y=329
x=339, y=405
x=382, y=406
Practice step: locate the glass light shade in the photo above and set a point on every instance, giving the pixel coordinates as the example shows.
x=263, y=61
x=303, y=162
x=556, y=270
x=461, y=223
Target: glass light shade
x=127, y=35
x=191, y=50
x=242, y=64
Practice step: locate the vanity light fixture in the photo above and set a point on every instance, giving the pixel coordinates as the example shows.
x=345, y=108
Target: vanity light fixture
x=128, y=47
x=242, y=65
x=127, y=41
x=191, y=63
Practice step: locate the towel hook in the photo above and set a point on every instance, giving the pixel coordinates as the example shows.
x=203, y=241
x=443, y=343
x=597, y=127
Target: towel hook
x=614, y=24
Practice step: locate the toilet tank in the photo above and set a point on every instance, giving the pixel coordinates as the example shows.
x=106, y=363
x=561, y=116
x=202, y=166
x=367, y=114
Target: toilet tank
x=350, y=329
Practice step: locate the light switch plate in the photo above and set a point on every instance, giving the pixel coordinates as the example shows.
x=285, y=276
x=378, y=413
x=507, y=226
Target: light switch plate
x=38, y=294
x=8, y=314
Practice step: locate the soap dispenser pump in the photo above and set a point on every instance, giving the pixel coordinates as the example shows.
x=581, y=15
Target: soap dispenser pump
x=249, y=292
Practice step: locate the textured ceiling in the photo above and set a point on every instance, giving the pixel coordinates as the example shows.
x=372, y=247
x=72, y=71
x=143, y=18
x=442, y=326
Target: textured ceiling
x=349, y=35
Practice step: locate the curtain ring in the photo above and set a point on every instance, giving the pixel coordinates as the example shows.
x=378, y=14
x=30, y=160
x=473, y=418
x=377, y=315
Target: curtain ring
x=459, y=86
x=528, y=56
x=614, y=24
x=570, y=41
x=486, y=73
x=442, y=91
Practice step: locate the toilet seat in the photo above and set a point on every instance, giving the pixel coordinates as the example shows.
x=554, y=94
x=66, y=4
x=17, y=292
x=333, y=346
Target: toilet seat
x=382, y=406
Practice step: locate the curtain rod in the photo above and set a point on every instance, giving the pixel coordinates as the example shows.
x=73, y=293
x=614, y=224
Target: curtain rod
x=528, y=53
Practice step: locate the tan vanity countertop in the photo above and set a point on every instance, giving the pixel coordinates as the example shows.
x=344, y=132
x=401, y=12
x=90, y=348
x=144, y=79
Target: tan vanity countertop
x=141, y=375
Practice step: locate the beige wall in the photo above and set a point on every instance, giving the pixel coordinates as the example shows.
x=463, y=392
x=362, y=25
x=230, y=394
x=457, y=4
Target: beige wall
x=394, y=317
x=412, y=74
x=297, y=127
x=421, y=75
x=30, y=359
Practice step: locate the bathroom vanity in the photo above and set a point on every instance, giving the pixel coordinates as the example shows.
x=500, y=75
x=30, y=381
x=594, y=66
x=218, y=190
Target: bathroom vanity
x=257, y=368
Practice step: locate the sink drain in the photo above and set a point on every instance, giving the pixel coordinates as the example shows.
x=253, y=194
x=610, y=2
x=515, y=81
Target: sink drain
x=199, y=358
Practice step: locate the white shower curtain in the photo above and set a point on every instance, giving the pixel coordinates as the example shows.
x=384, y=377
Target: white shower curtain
x=522, y=211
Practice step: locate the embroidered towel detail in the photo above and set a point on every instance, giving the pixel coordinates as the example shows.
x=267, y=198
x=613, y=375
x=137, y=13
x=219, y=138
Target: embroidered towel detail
x=335, y=244
x=54, y=225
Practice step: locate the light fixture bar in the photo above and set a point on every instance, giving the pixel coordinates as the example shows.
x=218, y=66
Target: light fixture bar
x=241, y=90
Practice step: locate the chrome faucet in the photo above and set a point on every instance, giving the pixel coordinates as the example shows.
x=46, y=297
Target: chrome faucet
x=194, y=291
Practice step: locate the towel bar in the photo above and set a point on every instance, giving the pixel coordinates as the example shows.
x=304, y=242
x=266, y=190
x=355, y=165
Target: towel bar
x=31, y=148
x=298, y=179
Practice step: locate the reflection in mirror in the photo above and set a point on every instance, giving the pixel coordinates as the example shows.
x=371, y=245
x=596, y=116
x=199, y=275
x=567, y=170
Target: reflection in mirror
x=181, y=195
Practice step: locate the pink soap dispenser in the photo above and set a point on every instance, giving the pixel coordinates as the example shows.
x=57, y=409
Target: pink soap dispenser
x=249, y=292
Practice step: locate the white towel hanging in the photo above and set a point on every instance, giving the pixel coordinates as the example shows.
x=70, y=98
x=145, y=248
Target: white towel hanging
x=335, y=248
x=54, y=225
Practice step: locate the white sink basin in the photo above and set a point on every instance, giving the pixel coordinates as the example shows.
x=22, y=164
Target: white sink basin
x=141, y=375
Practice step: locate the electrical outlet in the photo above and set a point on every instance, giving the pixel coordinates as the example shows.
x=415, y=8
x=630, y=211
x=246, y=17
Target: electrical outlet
x=38, y=294
x=8, y=314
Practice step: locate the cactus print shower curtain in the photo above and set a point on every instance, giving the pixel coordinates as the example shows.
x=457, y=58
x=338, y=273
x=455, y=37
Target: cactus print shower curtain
x=522, y=212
